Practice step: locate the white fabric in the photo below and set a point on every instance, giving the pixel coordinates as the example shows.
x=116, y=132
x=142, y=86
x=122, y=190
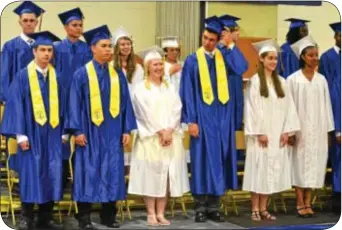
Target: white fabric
x=29, y=41
x=231, y=45
x=338, y=134
x=267, y=49
x=66, y=137
x=155, y=109
x=172, y=79
x=337, y=49
x=120, y=33
x=310, y=156
x=21, y=138
x=267, y=170
x=169, y=43
x=153, y=55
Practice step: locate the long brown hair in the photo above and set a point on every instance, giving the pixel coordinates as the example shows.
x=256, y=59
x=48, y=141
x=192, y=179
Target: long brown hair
x=131, y=61
x=263, y=83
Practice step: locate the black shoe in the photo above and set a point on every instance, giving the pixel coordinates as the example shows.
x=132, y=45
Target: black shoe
x=215, y=216
x=111, y=224
x=200, y=217
x=301, y=215
x=50, y=224
x=25, y=225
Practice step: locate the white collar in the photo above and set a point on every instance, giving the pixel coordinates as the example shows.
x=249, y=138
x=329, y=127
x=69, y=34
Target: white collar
x=40, y=70
x=231, y=45
x=211, y=54
x=26, y=38
x=337, y=49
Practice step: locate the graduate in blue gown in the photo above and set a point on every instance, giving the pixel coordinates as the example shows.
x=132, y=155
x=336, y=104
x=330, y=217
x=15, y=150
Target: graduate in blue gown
x=99, y=158
x=211, y=128
x=237, y=65
x=70, y=54
x=330, y=67
x=39, y=141
x=17, y=53
x=289, y=62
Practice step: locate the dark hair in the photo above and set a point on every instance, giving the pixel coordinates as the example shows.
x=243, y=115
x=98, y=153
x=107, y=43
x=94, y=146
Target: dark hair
x=213, y=32
x=301, y=60
x=275, y=79
x=293, y=35
x=131, y=61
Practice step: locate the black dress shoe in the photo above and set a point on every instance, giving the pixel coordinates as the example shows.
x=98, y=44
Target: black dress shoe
x=112, y=224
x=200, y=217
x=25, y=225
x=50, y=224
x=215, y=216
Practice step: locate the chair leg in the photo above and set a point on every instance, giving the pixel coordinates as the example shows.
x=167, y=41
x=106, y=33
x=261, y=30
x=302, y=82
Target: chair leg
x=183, y=207
x=76, y=207
x=59, y=213
x=128, y=210
x=172, y=206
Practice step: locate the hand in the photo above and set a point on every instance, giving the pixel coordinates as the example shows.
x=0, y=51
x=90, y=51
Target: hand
x=263, y=141
x=174, y=69
x=284, y=138
x=338, y=138
x=292, y=140
x=64, y=141
x=193, y=130
x=25, y=145
x=81, y=140
x=126, y=138
x=165, y=137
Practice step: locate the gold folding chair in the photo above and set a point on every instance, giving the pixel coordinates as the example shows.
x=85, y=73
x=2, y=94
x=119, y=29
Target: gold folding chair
x=71, y=168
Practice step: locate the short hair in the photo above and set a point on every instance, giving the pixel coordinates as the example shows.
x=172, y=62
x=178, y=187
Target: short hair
x=301, y=60
x=293, y=35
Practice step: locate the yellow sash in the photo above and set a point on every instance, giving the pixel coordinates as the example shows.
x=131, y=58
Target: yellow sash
x=221, y=75
x=95, y=95
x=37, y=99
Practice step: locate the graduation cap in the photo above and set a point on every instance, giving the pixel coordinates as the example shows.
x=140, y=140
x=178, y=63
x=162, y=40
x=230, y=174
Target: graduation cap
x=153, y=52
x=303, y=43
x=120, y=33
x=43, y=38
x=214, y=24
x=28, y=7
x=295, y=22
x=68, y=16
x=169, y=42
x=229, y=20
x=266, y=46
x=94, y=35
x=336, y=27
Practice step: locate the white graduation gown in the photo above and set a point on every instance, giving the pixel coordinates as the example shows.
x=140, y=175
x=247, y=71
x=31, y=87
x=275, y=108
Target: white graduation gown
x=310, y=155
x=155, y=109
x=267, y=170
x=137, y=77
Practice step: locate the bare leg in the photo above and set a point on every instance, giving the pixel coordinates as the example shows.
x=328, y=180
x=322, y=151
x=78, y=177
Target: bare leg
x=255, y=207
x=263, y=208
x=300, y=201
x=161, y=205
x=307, y=200
x=151, y=213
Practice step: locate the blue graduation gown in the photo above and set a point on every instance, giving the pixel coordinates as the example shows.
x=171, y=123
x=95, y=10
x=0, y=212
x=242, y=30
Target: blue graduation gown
x=68, y=58
x=288, y=62
x=330, y=67
x=99, y=166
x=39, y=168
x=213, y=152
x=16, y=54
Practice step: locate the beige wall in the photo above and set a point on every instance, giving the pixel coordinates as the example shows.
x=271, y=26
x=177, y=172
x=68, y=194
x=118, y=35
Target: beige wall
x=320, y=17
x=139, y=18
x=256, y=20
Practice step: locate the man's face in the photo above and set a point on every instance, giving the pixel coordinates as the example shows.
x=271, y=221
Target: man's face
x=28, y=23
x=74, y=28
x=209, y=40
x=338, y=39
x=103, y=50
x=43, y=54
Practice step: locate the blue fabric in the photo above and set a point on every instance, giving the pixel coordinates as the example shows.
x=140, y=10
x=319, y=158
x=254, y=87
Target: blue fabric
x=307, y=226
x=213, y=157
x=288, y=62
x=39, y=168
x=330, y=67
x=99, y=166
x=16, y=54
x=68, y=58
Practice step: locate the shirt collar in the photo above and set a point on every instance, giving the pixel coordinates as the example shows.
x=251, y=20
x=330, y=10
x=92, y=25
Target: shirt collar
x=211, y=54
x=26, y=38
x=42, y=71
x=337, y=49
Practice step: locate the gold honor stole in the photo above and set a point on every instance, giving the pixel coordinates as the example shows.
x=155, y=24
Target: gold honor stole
x=37, y=99
x=221, y=75
x=95, y=95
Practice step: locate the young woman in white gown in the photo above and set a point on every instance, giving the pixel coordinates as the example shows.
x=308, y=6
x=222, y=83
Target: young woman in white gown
x=310, y=93
x=270, y=117
x=158, y=165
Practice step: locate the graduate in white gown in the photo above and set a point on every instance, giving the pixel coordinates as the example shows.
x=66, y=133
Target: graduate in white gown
x=158, y=165
x=124, y=58
x=270, y=116
x=310, y=93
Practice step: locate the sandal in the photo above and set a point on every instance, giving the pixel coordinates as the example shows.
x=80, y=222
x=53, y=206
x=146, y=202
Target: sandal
x=310, y=212
x=302, y=215
x=152, y=221
x=162, y=221
x=256, y=216
x=265, y=215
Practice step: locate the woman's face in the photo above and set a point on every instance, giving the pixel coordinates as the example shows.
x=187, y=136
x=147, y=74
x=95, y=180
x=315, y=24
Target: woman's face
x=125, y=46
x=270, y=61
x=172, y=54
x=310, y=57
x=156, y=68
